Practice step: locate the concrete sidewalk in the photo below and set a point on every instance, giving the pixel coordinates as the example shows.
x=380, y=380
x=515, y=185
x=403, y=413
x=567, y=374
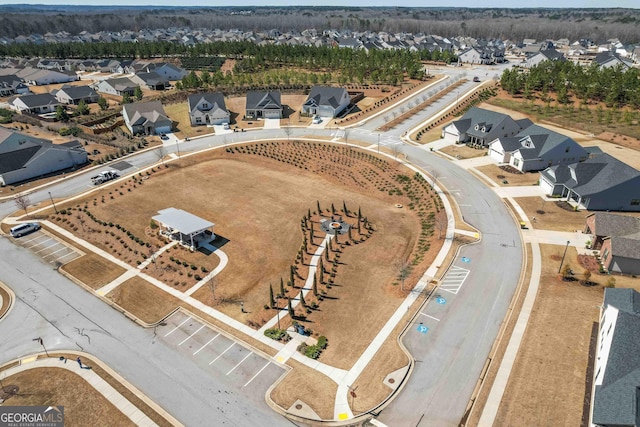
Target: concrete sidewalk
x=94, y=380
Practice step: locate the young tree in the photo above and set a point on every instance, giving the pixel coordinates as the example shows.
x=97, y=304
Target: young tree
x=83, y=108
x=61, y=114
x=126, y=98
x=22, y=202
x=291, y=278
x=137, y=93
x=404, y=270
x=315, y=285
x=344, y=208
x=586, y=275
x=290, y=308
x=319, y=210
x=281, y=288
x=272, y=301
x=302, y=301
x=160, y=154
x=102, y=102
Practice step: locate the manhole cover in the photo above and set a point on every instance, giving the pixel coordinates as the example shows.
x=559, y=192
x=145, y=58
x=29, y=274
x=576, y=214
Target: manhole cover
x=391, y=381
x=298, y=406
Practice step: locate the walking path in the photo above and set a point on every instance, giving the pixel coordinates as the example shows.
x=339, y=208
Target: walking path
x=136, y=416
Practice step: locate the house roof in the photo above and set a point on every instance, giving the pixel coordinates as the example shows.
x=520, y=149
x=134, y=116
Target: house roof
x=326, y=96
x=38, y=100
x=182, y=221
x=121, y=84
x=610, y=56
x=616, y=399
x=77, y=92
x=152, y=79
x=481, y=118
x=611, y=224
x=625, y=247
x=552, y=55
x=15, y=160
x=543, y=140
x=263, y=100
x=140, y=113
x=215, y=100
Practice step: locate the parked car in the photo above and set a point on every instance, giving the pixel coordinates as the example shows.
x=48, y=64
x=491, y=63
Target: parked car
x=316, y=120
x=225, y=126
x=476, y=79
x=26, y=228
x=164, y=137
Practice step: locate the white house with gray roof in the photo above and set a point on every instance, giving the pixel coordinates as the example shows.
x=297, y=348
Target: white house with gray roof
x=23, y=157
x=35, y=104
x=167, y=70
x=207, y=109
x=74, y=94
x=117, y=87
x=544, y=55
x=479, y=127
x=265, y=105
x=146, y=118
x=616, y=383
x=326, y=101
x=599, y=183
x=536, y=148
x=11, y=84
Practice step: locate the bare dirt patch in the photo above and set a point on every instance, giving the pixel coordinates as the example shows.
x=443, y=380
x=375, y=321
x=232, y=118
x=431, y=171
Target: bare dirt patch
x=83, y=405
x=149, y=303
x=5, y=302
x=93, y=270
x=549, y=216
x=499, y=175
x=179, y=113
x=556, y=342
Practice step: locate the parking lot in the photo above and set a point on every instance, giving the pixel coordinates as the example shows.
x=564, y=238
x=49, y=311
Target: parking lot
x=48, y=247
x=227, y=360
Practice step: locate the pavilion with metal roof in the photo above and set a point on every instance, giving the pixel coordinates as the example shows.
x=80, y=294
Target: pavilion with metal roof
x=183, y=226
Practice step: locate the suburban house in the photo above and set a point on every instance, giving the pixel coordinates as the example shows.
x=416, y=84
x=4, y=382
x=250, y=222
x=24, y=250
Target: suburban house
x=146, y=118
x=207, y=109
x=166, y=70
x=617, y=237
x=536, y=148
x=474, y=55
x=544, y=55
x=74, y=94
x=265, y=105
x=36, y=76
x=118, y=86
x=23, y=157
x=612, y=59
x=151, y=81
x=11, y=84
x=599, y=183
x=480, y=126
x=615, y=393
x=326, y=101
x=35, y=104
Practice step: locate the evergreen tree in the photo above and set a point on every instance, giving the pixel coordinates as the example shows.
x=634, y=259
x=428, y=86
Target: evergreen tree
x=126, y=99
x=61, y=114
x=137, y=93
x=344, y=208
x=291, y=275
x=290, y=309
x=102, y=102
x=83, y=109
x=302, y=301
x=315, y=285
x=272, y=301
x=319, y=210
x=281, y=288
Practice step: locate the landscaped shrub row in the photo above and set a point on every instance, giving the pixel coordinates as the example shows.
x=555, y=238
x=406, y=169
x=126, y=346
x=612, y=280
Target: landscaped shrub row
x=313, y=351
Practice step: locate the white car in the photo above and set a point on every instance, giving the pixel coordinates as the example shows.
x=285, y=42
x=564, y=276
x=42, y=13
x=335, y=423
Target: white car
x=225, y=126
x=316, y=120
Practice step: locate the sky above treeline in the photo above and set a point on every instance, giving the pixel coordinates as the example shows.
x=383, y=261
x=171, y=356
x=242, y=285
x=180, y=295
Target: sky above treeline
x=635, y=4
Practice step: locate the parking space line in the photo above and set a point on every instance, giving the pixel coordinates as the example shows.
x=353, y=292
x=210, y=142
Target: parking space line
x=44, y=249
x=55, y=252
x=70, y=253
x=198, y=350
x=430, y=317
x=177, y=327
x=33, y=238
x=187, y=338
x=245, y=358
x=31, y=246
x=220, y=355
x=258, y=373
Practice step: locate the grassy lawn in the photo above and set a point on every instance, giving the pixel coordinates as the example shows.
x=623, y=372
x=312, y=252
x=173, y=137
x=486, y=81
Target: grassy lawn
x=93, y=270
x=146, y=301
x=83, y=405
x=513, y=179
x=462, y=151
x=554, y=217
x=179, y=113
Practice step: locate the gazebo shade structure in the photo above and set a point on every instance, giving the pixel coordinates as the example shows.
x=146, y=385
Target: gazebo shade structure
x=183, y=226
